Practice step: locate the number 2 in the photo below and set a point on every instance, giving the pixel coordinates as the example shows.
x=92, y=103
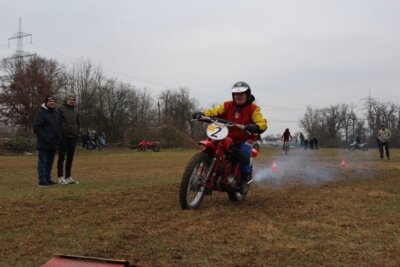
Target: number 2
x=215, y=134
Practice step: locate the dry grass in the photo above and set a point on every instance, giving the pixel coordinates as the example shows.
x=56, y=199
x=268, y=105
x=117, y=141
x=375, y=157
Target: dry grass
x=127, y=207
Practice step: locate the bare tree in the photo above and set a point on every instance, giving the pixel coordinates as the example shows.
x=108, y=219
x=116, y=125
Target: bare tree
x=311, y=120
x=24, y=87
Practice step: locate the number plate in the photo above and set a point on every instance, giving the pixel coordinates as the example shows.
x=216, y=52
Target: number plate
x=217, y=132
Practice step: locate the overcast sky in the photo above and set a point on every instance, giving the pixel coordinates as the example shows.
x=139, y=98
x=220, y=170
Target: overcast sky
x=293, y=53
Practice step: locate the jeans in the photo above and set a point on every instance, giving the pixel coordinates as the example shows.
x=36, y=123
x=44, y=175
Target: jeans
x=245, y=162
x=65, y=148
x=45, y=164
x=386, y=146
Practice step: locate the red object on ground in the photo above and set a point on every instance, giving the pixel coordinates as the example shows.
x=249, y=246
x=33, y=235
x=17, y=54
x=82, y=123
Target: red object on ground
x=343, y=164
x=81, y=261
x=144, y=145
x=274, y=166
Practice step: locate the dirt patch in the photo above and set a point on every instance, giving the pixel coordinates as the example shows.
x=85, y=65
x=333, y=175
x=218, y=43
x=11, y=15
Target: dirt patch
x=380, y=194
x=126, y=206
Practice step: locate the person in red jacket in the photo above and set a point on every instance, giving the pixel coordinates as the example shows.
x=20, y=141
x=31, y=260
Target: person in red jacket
x=240, y=110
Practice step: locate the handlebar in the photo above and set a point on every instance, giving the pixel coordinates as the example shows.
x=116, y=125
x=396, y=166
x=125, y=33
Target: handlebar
x=215, y=119
x=223, y=121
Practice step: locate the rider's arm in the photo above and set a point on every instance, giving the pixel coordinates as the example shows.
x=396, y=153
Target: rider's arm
x=258, y=119
x=213, y=112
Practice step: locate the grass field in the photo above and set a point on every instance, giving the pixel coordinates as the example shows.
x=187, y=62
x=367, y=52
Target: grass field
x=311, y=212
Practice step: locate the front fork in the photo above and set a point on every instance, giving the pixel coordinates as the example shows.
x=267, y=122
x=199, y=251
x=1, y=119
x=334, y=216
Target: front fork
x=211, y=172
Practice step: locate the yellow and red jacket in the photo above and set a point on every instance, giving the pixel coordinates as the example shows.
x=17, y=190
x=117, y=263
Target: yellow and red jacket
x=247, y=114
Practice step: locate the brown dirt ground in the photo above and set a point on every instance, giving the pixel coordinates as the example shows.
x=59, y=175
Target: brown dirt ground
x=126, y=206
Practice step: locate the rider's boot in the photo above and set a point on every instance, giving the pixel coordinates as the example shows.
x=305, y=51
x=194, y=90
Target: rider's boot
x=245, y=181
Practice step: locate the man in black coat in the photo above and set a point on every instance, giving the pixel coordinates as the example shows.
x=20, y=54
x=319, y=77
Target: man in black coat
x=47, y=129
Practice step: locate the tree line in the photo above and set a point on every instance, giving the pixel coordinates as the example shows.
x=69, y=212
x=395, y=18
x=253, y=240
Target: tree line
x=121, y=110
x=127, y=113
x=337, y=125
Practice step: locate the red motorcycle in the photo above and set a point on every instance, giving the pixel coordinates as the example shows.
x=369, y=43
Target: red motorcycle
x=144, y=145
x=215, y=168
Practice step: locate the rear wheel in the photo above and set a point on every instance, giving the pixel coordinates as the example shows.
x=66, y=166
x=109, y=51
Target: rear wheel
x=156, y=148
x=191, y=192
x=141, y=148
x=286, y=148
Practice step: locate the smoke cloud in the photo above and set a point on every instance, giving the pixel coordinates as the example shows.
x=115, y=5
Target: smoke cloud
x=300, y=167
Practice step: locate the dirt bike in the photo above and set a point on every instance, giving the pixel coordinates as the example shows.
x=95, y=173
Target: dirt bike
x=144, y=145
x=285, y=147
x=215, y=168
x=358, y=146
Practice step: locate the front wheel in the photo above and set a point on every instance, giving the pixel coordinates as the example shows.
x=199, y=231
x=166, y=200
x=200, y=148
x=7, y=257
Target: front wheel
x=156, y=149
x=191, y=192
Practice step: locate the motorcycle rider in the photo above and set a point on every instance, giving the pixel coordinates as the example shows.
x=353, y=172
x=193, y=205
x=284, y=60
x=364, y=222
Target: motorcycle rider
x=357, y=143
x=240, y=110
x=285, y=137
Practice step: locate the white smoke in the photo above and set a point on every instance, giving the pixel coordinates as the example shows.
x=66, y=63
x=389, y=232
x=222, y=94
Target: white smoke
x=298, y=167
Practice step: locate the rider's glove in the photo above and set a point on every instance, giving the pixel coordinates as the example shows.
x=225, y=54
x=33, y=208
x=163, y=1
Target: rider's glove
x=252, y=128
x=198, y=115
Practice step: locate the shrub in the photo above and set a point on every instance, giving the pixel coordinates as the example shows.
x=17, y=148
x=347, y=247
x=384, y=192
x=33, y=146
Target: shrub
x=19, y=144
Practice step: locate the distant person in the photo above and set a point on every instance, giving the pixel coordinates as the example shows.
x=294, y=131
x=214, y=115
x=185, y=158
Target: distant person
x=85, y=137
x=383, y=137
x=102, y=141
x=305, y=141
x=301, y=139
x=69, y=127
x=316, y=142
x=47, y=131
x=311, y=143
x=285, y=137
x=357, y=142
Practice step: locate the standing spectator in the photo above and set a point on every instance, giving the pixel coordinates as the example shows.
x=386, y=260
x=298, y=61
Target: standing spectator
x=85, y=139
x=384, y=135
x=301, y=139
x=311, y=143
x=316, y=142
x=69, y=127
x=47, y=131
x=305, y=144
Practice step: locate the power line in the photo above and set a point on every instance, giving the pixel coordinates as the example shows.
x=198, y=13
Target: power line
x=159, y=85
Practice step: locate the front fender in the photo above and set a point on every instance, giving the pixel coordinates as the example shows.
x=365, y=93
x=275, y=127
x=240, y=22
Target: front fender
x=208, y=145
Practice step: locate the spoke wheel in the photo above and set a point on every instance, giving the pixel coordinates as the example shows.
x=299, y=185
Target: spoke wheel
x=191, y=192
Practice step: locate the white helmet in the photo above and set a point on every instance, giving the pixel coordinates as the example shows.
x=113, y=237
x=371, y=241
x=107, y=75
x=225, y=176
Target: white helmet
x=241, y=87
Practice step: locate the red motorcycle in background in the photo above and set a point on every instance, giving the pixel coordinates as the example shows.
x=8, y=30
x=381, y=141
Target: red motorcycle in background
x=144, y=145
x=215, y=168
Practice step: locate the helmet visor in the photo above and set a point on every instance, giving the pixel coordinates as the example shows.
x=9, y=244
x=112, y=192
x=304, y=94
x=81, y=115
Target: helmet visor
x=239, y=89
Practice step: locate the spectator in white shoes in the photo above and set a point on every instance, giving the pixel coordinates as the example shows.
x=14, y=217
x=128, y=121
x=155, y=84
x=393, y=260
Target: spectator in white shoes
x=69, y=128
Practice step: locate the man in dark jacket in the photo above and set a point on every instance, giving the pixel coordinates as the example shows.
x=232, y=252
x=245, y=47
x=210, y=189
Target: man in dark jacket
x=46, y=127
x=69, y=127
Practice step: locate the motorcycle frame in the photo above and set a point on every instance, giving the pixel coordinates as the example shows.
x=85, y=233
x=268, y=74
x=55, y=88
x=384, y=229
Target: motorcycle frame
x=216, y=152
